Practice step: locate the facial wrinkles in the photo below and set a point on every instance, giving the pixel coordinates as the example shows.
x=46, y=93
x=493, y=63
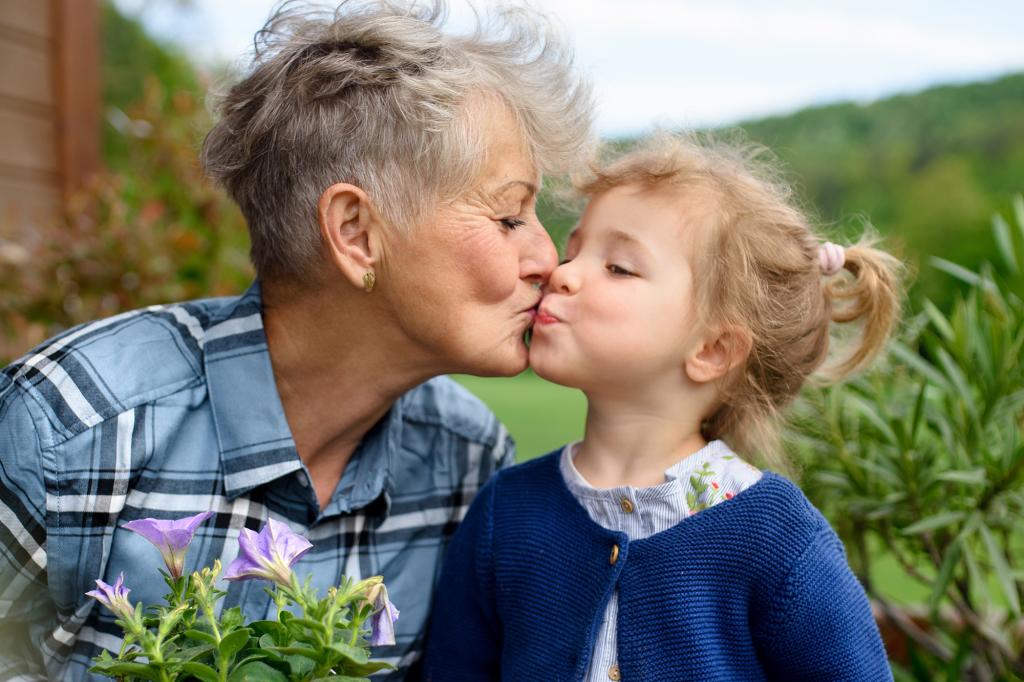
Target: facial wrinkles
x=476, y=250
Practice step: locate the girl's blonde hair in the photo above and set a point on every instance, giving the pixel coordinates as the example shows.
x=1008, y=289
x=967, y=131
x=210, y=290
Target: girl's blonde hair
x=757, y=269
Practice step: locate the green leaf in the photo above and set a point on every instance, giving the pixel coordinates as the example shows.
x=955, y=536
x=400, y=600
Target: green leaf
x=357, y=655
x=201, y=670
x=201, y=636
x=189, y=653
x=969, y=476
x=865, y=409
x=368, y=668
x=1018, y=211
x=128, y=669
x=316, y=626
x=256, y=656
x=300, y=666
x=269, y=645
x=233, y=643
x=940, y=520
x=263, y=627
x=945, y=576
x=1002, y=234
x=916, y=362
x=257, y=671
x=961, y=273
x=341, y=678
x=1003, y=573
x=938, y=320
x=232, y=618
x=297, y=651
x=956, y=376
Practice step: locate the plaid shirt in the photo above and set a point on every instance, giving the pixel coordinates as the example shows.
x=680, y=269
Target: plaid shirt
x=171, y=411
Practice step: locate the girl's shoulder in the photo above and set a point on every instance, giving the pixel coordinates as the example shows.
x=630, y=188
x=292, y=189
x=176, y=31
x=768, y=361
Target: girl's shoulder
x=540, y=471
x=776, y=502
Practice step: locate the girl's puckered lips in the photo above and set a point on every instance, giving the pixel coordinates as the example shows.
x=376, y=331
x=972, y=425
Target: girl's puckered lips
x=544, y=317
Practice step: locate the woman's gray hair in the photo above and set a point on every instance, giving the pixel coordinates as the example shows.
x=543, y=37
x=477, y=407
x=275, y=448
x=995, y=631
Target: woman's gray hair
x=374, y=94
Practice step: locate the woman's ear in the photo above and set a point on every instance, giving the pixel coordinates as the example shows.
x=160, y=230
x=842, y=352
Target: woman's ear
x=350, y=227
x=722, y=351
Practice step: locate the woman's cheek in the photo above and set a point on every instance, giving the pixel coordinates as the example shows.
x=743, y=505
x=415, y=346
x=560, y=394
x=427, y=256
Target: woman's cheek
x=492, y=267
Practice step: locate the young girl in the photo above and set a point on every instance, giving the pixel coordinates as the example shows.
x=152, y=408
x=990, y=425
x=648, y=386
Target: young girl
x=694, y=303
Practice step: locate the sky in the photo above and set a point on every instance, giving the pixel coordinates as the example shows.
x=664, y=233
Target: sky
x=696, y=63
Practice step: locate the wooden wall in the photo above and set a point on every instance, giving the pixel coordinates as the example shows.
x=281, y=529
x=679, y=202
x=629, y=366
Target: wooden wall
x=49, y=106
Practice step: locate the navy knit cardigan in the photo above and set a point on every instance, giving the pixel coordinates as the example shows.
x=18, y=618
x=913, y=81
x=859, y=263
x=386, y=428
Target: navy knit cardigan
x=754, y=588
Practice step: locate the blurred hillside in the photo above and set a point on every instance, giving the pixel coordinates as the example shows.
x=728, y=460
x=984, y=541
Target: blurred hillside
x=928, y=169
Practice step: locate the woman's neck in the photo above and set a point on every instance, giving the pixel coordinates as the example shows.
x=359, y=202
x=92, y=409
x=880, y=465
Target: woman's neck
x=633, y=444
x=339, y=366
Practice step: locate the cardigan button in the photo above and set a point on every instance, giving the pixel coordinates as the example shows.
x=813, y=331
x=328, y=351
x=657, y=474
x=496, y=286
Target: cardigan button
x=613, y=672
x=615, y=555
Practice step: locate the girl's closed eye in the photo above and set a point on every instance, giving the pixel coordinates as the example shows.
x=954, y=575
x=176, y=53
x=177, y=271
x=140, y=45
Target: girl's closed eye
x=619, y=270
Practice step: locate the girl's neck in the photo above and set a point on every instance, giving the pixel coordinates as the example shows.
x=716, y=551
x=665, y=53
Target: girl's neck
x=626, y=445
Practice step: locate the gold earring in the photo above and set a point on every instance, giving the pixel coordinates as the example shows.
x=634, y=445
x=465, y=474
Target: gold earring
x=369, y=279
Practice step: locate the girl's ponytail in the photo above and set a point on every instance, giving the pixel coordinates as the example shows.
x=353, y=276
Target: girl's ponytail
x=867, y=291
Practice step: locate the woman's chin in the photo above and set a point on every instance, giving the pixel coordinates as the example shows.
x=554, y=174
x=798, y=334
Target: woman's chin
x=506, y=362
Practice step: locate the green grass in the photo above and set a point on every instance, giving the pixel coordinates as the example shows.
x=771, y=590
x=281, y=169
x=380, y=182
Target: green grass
x=540, y=415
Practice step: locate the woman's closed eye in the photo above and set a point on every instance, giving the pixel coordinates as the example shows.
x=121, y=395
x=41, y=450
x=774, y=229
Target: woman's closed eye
x=511, y=223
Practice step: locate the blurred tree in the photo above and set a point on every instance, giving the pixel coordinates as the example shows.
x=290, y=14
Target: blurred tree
x=150, y=229
x=926, y=169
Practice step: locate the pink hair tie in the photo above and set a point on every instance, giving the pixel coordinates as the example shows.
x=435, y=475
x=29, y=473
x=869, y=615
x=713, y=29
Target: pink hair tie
x=831, y=258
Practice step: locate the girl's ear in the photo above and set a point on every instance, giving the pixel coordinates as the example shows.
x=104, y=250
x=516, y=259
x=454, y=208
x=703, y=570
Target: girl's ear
x=722, y=351
x=351, y=228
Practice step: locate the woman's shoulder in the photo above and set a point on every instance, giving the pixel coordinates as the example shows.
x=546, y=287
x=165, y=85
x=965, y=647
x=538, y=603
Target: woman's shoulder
x=444, y=403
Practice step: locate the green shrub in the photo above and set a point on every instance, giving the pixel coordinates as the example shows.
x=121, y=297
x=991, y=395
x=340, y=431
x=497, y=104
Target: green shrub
x=923, y=457
x=153, y=231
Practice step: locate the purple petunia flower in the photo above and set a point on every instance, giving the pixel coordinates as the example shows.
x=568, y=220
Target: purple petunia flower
x=114, y=597
x=171, y=537
x=382, y=622
x=268, y=555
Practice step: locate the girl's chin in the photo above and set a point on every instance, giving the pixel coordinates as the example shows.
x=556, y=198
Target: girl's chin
x=554, y=372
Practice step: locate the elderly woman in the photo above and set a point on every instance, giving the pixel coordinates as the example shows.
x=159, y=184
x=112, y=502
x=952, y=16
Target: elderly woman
x=388, y=174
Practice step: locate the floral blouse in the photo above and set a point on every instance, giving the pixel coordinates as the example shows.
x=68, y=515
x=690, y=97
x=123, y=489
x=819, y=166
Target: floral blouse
x=710, y=476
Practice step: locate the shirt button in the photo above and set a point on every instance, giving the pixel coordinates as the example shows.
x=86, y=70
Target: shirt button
x=615, y=555
x=613, y=672
x=300, y=476
x=626, y=505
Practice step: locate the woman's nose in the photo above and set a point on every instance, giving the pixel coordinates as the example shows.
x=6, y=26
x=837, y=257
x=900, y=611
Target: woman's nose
x=537, y=256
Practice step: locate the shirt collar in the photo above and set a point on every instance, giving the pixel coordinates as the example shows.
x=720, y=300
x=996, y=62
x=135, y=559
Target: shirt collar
x=677, y=477
x=369, y=473
x=255, y=442
x=253, y=435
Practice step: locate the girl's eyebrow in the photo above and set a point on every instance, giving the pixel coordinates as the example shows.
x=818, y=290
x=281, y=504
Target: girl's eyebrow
x=628, y=239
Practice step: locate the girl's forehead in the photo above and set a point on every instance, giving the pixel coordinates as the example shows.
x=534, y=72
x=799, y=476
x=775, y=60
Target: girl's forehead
x=631, y=212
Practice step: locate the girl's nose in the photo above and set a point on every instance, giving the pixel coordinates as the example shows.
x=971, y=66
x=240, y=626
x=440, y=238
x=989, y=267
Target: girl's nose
x=565, y=279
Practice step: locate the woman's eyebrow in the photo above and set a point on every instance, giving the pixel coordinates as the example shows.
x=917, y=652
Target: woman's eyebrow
x=532, y=188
